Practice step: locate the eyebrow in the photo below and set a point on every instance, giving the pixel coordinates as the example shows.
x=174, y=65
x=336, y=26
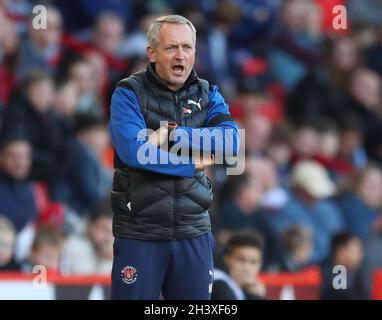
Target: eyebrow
x=177, y=44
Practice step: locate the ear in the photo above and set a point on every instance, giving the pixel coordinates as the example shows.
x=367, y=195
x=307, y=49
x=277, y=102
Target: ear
x=151, y=54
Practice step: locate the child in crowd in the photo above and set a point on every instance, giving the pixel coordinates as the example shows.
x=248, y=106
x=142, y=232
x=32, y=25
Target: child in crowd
x=243, y=259
x=94, y=253
x=46, y=251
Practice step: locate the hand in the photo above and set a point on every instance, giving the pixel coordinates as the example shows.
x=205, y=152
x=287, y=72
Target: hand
x=203, y=162
x=256, y=288
x=159, y=136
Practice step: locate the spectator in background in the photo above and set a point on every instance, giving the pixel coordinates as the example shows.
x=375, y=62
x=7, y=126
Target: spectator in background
x=351, y=149
x=41, y=49
x=136, y=42
x=297, y=44
x=66, y=99
x=256, y=91
x=81, y=72
x=297, y=243
x=255, y=26
x=240, y=208
x=9, y=42
x=366, y=103
x=17, y=196
x=346, y=251
x=263, y=171
x=33, y=114
x=319, y=141
x=329, y=139
x=328, y=150
x=46, y=251
x=18, y=11
x=279, y=150
x=310, y=207
x=218, y=55
x=240, y=203
x=323, y=91
x=7, y=246
x=93, y=253
x=65, y=106
x=306, y=141
x=107, y=34
x=100, y=77
x=258, y=130
x=83, y=181
x=242, y=258
x=85, y=12
x=361, y=202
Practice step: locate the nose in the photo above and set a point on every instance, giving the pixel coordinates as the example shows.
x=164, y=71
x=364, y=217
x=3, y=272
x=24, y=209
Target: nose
x=179, y=55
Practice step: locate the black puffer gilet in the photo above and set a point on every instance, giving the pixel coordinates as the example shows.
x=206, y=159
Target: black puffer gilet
x=151, y=206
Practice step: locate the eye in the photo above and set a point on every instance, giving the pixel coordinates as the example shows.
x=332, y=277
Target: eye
x=170, y=49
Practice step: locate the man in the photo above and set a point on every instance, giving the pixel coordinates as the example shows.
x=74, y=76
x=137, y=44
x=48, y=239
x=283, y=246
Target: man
x=163, y=241
x=18, y=202
x=84, y=190
x=346, y=252
x=310, y=206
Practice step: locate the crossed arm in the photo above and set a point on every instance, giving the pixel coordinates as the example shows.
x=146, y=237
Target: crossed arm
x=126, y=122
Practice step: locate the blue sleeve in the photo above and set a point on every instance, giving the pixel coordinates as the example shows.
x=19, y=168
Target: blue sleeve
x=126, y=126
x=227, y=130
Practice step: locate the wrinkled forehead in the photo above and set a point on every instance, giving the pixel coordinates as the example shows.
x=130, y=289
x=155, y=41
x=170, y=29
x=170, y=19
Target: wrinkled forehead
x=176, y=33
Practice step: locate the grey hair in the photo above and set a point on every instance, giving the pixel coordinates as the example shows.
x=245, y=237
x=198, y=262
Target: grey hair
x=153, y=33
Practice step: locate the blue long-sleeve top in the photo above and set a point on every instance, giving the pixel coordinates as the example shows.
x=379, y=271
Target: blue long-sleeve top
x=127, y=124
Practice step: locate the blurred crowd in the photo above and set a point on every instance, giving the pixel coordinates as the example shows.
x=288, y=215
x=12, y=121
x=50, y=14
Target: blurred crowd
x=308, y=96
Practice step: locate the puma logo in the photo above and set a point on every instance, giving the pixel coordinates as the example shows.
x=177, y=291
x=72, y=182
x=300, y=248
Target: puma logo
x=189, y=101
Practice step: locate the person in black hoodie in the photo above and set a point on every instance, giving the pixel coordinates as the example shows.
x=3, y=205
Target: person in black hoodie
x=17, y=196
x=346, y=255
x=32, y=113
x=365, y=103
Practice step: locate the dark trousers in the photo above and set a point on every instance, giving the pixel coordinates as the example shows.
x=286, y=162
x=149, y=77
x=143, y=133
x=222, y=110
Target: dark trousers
x=179, y=269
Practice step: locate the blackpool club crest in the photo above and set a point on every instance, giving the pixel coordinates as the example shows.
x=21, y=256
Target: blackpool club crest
x=129, y=274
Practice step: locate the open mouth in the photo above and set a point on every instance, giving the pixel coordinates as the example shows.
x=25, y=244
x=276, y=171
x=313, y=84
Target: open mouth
x=177, y=69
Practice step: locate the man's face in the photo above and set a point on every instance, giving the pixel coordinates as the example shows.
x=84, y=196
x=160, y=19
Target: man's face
x=41, y=95
x=47, y=255
x=174, y=54
x=101, y=231
x=16, y=159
